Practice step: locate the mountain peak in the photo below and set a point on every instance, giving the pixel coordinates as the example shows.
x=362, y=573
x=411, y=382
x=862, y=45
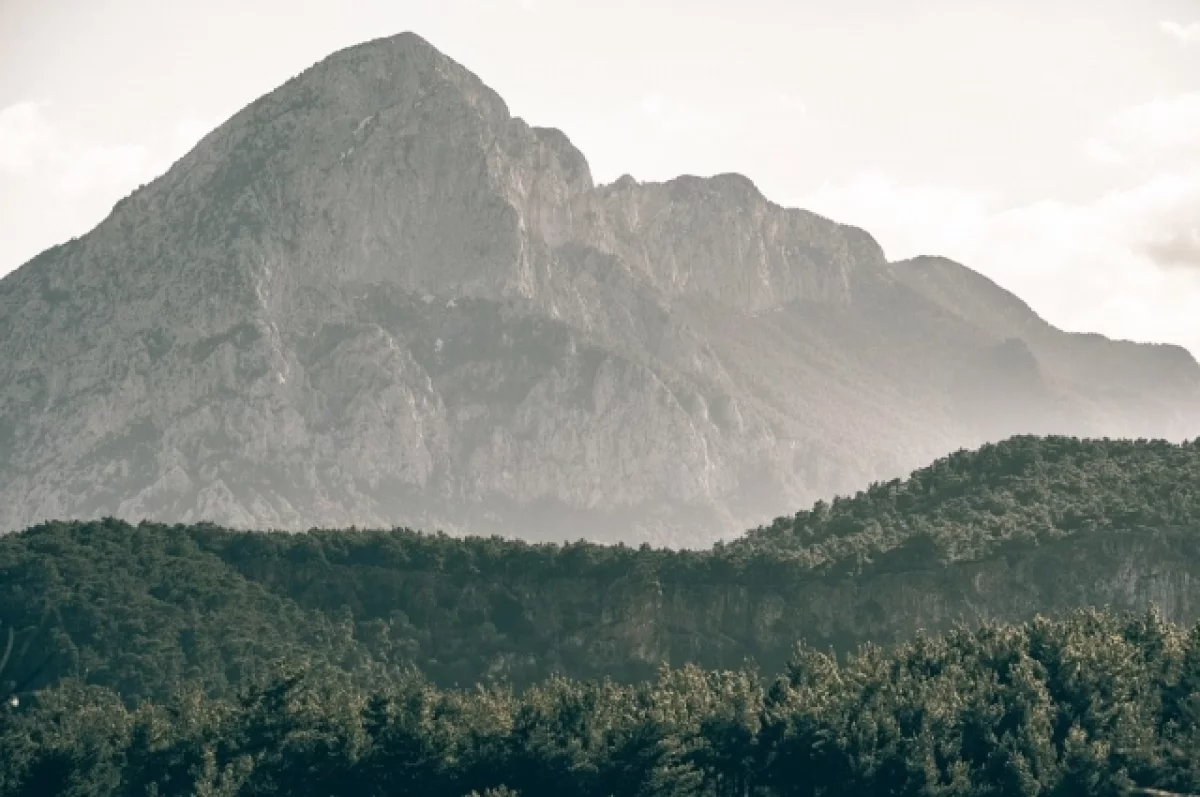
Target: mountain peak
x=407, y=45
x=375, y=296
x=406, y=38
x=407, y=42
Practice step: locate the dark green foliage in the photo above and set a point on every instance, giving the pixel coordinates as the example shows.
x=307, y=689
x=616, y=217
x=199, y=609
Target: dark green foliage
x=968, y=505
x=1036, y=709
x=142, y=608
x=155, y=660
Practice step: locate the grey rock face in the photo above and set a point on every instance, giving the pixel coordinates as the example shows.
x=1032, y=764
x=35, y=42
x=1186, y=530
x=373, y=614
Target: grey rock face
x=373, y=297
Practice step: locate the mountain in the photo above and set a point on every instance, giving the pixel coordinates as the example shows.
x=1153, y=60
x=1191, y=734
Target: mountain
x=375, y=297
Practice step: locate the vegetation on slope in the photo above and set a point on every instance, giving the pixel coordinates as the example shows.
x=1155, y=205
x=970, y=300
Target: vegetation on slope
x=969, y=504
x=1093, y=705
x=147, y=659
x=138, y=609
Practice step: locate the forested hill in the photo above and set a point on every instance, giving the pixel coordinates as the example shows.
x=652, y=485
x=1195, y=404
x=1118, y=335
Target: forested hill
x=967, y=505
x=1023, y=527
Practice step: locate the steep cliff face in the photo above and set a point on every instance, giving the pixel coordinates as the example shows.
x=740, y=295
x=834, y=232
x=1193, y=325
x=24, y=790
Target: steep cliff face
x=1126, y=570
x=719, y=238
x=374, y=297
x=629, y=625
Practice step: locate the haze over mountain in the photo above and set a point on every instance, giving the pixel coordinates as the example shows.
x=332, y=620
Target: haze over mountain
x=374, y=297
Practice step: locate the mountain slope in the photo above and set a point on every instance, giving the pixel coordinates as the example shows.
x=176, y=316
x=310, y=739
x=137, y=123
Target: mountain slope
x=968, y=505
x=1106, y=373
x=373, y=297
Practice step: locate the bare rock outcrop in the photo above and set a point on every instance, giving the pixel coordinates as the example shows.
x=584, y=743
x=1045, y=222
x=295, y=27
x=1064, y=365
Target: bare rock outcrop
x=374, y=297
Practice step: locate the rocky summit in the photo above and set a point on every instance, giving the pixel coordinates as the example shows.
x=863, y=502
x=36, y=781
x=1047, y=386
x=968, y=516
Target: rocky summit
x=374, y=297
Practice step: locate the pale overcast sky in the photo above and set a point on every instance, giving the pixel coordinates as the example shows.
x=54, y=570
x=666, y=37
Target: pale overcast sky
x=1053, y=145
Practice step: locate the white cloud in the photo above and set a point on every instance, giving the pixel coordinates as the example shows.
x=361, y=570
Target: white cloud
x=659, y=134
x=786, y=101
x=30, y=144
x=1126, y=264
x=1103, y=152
x=651, y=105
x=1184, y=33
x=55, y=184
x=667, y=117
x=1162, y=132
x=909, y=219
x=22, y=144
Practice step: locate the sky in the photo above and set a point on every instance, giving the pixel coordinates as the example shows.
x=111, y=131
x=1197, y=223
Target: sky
x=1053, y=145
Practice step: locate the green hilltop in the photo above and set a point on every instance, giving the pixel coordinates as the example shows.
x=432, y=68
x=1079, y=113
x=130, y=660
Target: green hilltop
x=968, y=505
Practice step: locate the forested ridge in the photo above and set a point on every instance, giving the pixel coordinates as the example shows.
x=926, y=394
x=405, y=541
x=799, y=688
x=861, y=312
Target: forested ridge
x=136, y=608
x=167, y=636
x=969, y=504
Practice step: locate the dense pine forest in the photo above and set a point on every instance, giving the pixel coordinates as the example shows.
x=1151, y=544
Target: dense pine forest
x=147, y=659
x=1091, y=705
